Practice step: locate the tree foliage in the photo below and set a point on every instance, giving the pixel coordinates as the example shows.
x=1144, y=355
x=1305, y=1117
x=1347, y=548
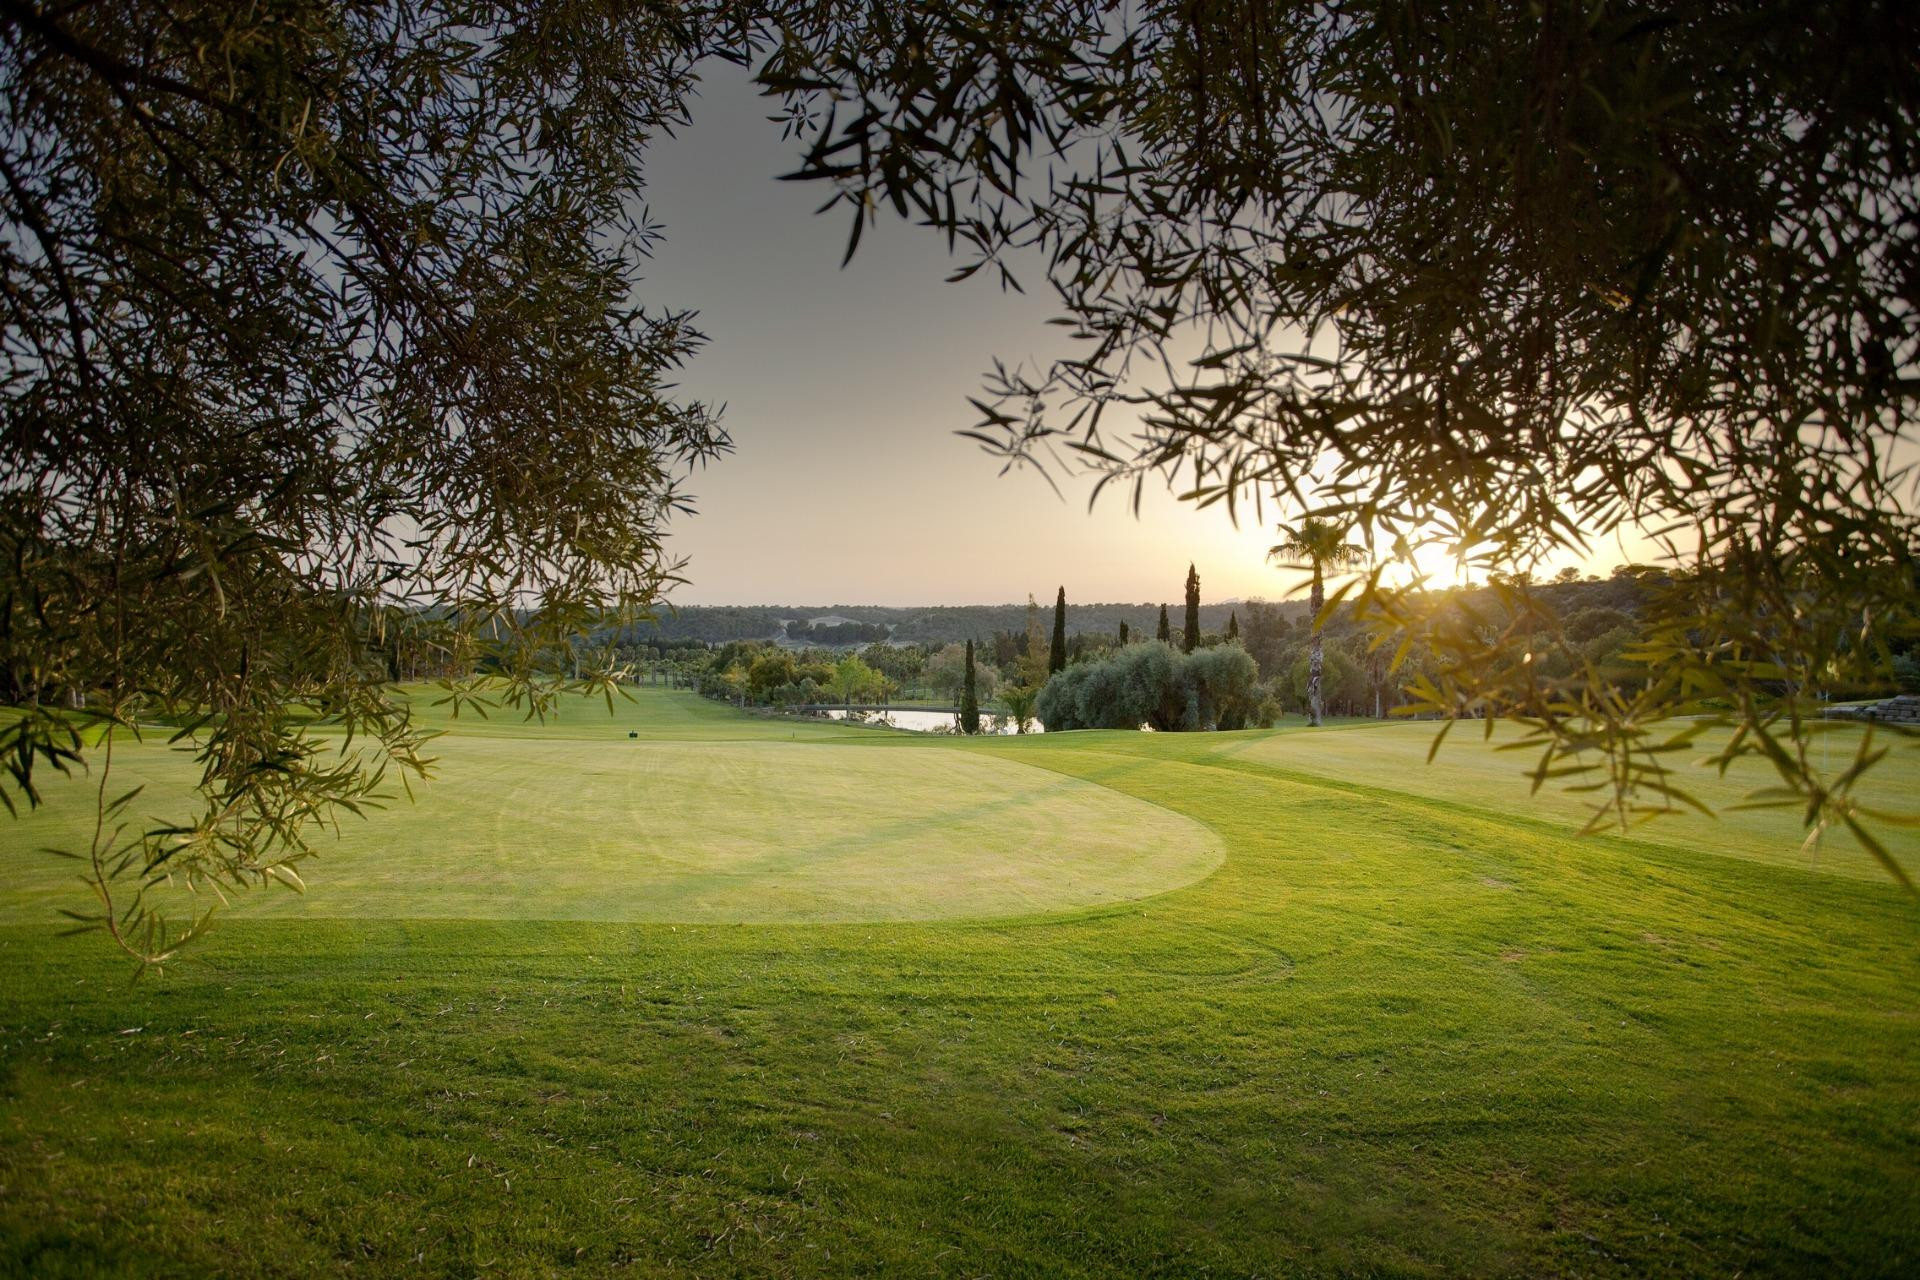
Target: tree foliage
x=946, y=674
x=1019, y=700
x=1156, y=686
x=317, y=330
x=1317, y=545
x=1057, y=654
x=1190, y=634
x=1033, y=662
x=1337, y=682
x=1504, y=277
x=969, y=698
x=854, y=680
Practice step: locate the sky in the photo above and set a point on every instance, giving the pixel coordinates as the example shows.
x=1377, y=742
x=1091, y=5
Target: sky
x=843, y=389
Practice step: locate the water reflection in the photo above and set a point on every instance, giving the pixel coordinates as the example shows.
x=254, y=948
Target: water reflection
x=928, y=721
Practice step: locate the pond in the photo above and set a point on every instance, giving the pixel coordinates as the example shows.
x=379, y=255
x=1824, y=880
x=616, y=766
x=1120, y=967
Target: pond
x=928, y=721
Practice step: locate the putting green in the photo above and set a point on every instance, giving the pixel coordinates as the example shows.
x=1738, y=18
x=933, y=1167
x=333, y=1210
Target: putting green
x=607, y=828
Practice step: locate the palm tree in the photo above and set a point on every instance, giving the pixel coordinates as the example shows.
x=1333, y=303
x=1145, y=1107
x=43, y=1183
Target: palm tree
x=1018, y=699
x=1318, y=545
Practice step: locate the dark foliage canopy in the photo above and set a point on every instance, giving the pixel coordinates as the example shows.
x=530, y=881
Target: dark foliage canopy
x=1057, y=654
x=1190, y=636
x=318, y=352
x=1506, y=278
x=969, y=698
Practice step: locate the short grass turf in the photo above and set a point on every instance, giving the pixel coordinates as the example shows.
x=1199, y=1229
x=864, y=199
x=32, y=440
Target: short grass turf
x=571, y=819
x=1392, y=1033
x=1477, y=771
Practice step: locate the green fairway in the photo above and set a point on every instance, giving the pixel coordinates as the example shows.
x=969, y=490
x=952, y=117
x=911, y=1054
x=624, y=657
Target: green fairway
x=578, y=822
x=1470, y=772
x=747, y=997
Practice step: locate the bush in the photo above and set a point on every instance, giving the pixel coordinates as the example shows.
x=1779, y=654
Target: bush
x=1220, y=683
x=1146, y=688
x=1906, y=673
x=1055, y=706
x=1151, y=684
x=1587, y=624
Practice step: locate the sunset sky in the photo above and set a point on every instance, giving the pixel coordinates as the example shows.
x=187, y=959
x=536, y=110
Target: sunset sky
x=843, y=391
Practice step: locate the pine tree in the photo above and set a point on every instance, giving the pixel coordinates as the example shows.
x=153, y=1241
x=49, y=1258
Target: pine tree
x=1123, y=635
x=1165, y=633
x=1233, y=627
x=1191, y=637
x=969, y=700
x=1057, y=659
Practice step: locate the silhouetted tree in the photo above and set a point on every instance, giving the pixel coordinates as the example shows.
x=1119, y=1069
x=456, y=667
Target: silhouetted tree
x=969, y=700
x=1165, y=632
x=1057, y=657
x=1679, y=297
x=1123, y=635
x=1191, y=636
x=286, y=290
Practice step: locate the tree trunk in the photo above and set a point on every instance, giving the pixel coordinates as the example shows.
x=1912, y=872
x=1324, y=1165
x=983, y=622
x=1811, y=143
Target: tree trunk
x=1314, y=604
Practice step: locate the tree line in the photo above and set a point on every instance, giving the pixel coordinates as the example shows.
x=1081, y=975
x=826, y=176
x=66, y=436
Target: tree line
x=925, y=625
x=1598, y=622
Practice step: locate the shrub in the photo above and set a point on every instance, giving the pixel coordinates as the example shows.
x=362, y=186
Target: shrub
x=1153, y=685
x=1221, y=685
x=1057, y=706
x=1146, y=689
x=1588, y=623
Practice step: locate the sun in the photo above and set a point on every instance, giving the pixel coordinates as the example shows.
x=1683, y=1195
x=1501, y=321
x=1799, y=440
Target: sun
x=1430, y=558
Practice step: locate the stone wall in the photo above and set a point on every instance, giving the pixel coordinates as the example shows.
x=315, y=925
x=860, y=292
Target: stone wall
x=1904, y=709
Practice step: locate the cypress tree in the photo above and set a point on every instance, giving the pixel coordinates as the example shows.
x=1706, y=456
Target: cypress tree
x=1165, y=633
x=1057, y=657
x=1191, y=638
x=1123, y=635
x=1233, y=626
x=969, y=700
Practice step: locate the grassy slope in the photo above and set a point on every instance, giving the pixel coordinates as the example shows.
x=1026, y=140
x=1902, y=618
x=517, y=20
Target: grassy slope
x=1473, y=774
x=1389, y=1035
x=710, y=817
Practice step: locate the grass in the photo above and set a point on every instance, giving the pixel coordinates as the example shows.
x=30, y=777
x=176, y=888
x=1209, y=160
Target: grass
x=1408, y=1026
x=1472, y=773
x=574, y=820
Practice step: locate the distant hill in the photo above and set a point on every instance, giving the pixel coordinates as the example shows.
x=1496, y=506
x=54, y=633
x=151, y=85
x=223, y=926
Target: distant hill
x=844, y=624
x=851, y=625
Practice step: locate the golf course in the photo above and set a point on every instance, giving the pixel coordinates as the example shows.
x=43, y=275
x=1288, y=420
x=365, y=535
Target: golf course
x=686, y=990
